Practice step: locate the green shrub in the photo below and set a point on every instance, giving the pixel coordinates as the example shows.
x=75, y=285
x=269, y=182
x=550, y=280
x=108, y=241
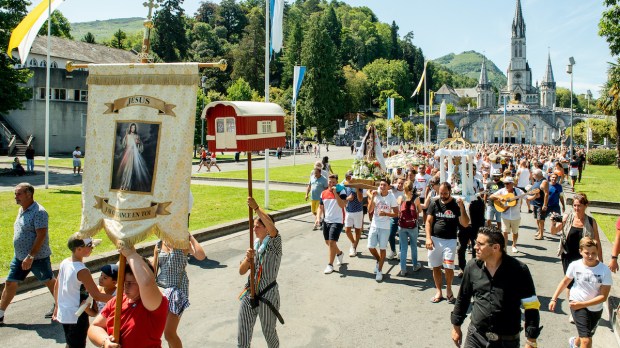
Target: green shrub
x=602, y=157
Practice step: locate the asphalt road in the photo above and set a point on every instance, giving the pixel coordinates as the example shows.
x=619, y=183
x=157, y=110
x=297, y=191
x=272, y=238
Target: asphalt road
x=347, y=308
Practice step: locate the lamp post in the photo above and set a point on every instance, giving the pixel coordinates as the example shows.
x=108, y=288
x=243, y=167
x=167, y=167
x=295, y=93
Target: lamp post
x=504, y=125
x=589, y=96
x=569, y=70
x=203, y=82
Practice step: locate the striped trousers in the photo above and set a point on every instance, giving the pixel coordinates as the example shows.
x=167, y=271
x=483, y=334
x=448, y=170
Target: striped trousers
x=247, y=319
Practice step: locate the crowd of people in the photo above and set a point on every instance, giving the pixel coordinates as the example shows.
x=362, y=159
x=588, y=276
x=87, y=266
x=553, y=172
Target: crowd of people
x=411, y=205
x=413, y=199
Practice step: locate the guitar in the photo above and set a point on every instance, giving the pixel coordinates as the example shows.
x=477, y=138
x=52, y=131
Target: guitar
x=509, y=200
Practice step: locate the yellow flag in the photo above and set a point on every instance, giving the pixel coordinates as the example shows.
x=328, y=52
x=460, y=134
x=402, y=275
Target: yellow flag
x=417, y=90
x=24, y=34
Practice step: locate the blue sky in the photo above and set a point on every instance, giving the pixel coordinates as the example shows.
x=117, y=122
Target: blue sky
x=564, y=28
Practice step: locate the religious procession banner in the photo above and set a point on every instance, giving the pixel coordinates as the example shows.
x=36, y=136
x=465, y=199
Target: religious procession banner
x=139, y=137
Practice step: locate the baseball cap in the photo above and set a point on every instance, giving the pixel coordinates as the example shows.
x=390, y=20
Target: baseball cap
x=111, y=270
x=75, y=242
x=496, y=172
x=509, y=180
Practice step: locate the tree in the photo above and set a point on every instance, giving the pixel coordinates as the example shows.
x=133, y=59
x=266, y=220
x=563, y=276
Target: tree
x=169, y=41
x=206, y=46
x=321, y=101
x=381, y=128
x=231, y=16
x=356, y=96
x=89, y=38
x=293, y=42
x=249, y=54
x=240, y=90
x=118, y=39
x=386, y=75
x=206, y=12
x=609, y=102
x=563, y=97
x=450, y=109
x=395, y=47
x=332, y=25
x=60, y=26
x=12, y=94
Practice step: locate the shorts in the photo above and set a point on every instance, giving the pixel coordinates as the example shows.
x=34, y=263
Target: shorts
x=443, y=253
x=586, y=321
x=314, y=206
x=539, y=214
x=331, y=231
x=213, y=161
x=41, y=268
x=354, y=219
x=378, y=237
x=77, y=163
x=492, y=214
x=554, y=209
x=511, y=226
x=75, y=334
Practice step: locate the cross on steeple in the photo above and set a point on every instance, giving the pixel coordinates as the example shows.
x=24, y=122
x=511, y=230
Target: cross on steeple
x=151, y=5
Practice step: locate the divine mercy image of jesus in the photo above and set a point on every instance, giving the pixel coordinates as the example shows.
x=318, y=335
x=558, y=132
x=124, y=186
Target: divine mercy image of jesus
x=135, y=154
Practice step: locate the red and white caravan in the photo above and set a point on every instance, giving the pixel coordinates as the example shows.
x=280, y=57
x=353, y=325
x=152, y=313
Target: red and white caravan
x=244, y=126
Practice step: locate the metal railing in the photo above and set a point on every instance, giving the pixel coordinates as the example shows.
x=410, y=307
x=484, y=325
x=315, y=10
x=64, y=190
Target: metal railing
x=30, y=139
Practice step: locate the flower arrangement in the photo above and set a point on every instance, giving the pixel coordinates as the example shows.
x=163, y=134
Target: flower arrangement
x=364, y=169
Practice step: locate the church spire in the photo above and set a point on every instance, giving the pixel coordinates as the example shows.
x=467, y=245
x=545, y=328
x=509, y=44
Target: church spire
x=518, y=24
x=484, y=80
x=548, y=78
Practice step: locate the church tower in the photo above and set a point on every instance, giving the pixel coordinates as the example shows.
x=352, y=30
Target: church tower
x=518, y=72
x=485, y=93
x=547, y=87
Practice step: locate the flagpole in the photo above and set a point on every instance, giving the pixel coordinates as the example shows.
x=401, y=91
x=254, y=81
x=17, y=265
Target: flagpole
x=267, y=54
x=47, y=94
x=295, y=132
x=425, y=114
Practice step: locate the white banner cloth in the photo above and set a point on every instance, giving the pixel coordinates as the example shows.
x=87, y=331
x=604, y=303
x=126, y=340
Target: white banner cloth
x=139, y=136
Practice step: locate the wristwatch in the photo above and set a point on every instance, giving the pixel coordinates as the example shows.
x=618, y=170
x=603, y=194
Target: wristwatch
x=614, y=257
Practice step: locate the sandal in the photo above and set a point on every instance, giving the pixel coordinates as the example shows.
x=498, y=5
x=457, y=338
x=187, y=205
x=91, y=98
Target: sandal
x=541, y=238
x=437, y=299
x=451, y=299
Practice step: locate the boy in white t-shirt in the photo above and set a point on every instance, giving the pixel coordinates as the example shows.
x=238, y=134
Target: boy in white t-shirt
x=383, y=206
x=592, y=282
x=77, y=162
x=74, y=285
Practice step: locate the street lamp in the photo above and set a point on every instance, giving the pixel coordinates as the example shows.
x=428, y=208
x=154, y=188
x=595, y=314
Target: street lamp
x=569, y=70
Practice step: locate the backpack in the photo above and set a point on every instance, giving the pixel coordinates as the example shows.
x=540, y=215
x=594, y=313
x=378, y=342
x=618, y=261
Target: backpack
x=408, y=215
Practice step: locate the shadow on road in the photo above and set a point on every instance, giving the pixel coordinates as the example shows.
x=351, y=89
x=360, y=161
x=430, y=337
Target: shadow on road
x=47, y=331
x=206, y=263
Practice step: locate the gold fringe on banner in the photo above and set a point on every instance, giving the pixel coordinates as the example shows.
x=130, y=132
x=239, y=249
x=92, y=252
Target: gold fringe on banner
x=136, y=238
x=164, y=80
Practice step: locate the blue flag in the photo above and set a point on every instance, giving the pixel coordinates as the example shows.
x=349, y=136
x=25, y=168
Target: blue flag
x=390, y=108
x=298, y=78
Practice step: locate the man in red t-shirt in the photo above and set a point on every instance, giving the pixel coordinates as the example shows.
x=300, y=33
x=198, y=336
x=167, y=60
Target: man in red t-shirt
x=143, y=313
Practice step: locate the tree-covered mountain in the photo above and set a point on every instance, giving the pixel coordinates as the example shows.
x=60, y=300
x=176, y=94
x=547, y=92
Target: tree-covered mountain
x=469, y=63
x=104, y=30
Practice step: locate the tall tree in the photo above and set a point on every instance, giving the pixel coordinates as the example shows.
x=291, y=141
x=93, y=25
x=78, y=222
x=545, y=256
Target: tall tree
x=206, y=12
x=332, y=25
x=321, y=97
x=60, y=26
x=89, y=38
x=118, y=39
x=609, y=102
x=394, y=47
x=208, y=47
x=12, y=94
x=249, y=55
x=239, y=91
x=230, y=15
x=170, y=42
x=293, y=42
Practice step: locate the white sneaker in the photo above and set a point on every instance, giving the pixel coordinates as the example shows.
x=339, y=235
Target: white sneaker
x=376, y=268
x=515, y=250
x=570, y=319
x=417, y=267
x=379, y=276
x=339, y=259
x=329, y=269
x=391, y=255
x=352, y=252
x=402, y=273
x=571, y=342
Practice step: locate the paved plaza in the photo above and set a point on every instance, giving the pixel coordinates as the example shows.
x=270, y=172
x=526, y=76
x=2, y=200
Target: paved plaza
x=347, y=308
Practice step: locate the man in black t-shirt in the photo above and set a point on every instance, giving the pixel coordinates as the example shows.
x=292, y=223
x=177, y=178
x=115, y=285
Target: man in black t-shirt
x=443, y=217
x=30, y=159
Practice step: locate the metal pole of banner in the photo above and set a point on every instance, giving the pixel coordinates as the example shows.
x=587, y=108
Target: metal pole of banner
x=267, y=178
x=47, y=95
x=120, y=285
x=295, y=133
x=251, y=225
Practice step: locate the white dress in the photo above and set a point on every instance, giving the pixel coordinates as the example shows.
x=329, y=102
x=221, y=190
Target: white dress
x=133, y=170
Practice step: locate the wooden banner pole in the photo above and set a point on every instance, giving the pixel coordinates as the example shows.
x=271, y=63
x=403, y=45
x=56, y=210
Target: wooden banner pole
x=120, y=285
x=251, y=224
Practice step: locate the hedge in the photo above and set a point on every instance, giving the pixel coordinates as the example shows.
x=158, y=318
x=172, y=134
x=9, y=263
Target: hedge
x=602, y=157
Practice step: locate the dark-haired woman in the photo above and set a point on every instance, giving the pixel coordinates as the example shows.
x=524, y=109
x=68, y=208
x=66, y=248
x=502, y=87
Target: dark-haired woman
x=266, y=256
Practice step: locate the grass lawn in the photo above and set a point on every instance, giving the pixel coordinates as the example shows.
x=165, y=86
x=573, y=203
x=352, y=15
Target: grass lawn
x=608, y=224
x=64, y=208
x=598, y=183
x=40, y=164
x=296, y=174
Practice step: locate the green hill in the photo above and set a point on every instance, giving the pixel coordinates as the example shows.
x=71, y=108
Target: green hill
x=103, y=30
x=468, y=63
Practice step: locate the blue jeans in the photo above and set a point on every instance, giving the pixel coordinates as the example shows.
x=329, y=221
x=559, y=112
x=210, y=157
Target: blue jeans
x=408, y=235
x=30, y=165
x=393, y=230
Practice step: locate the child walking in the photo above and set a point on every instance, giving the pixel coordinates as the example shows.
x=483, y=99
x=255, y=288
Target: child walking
x=592, y=282
x=107, y=285
x=74, y=285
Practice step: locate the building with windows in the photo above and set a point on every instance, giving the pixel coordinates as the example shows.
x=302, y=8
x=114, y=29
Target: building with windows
x=68, y=95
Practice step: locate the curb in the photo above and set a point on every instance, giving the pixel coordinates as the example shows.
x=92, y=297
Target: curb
x=146, y=249
x=203, y=178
